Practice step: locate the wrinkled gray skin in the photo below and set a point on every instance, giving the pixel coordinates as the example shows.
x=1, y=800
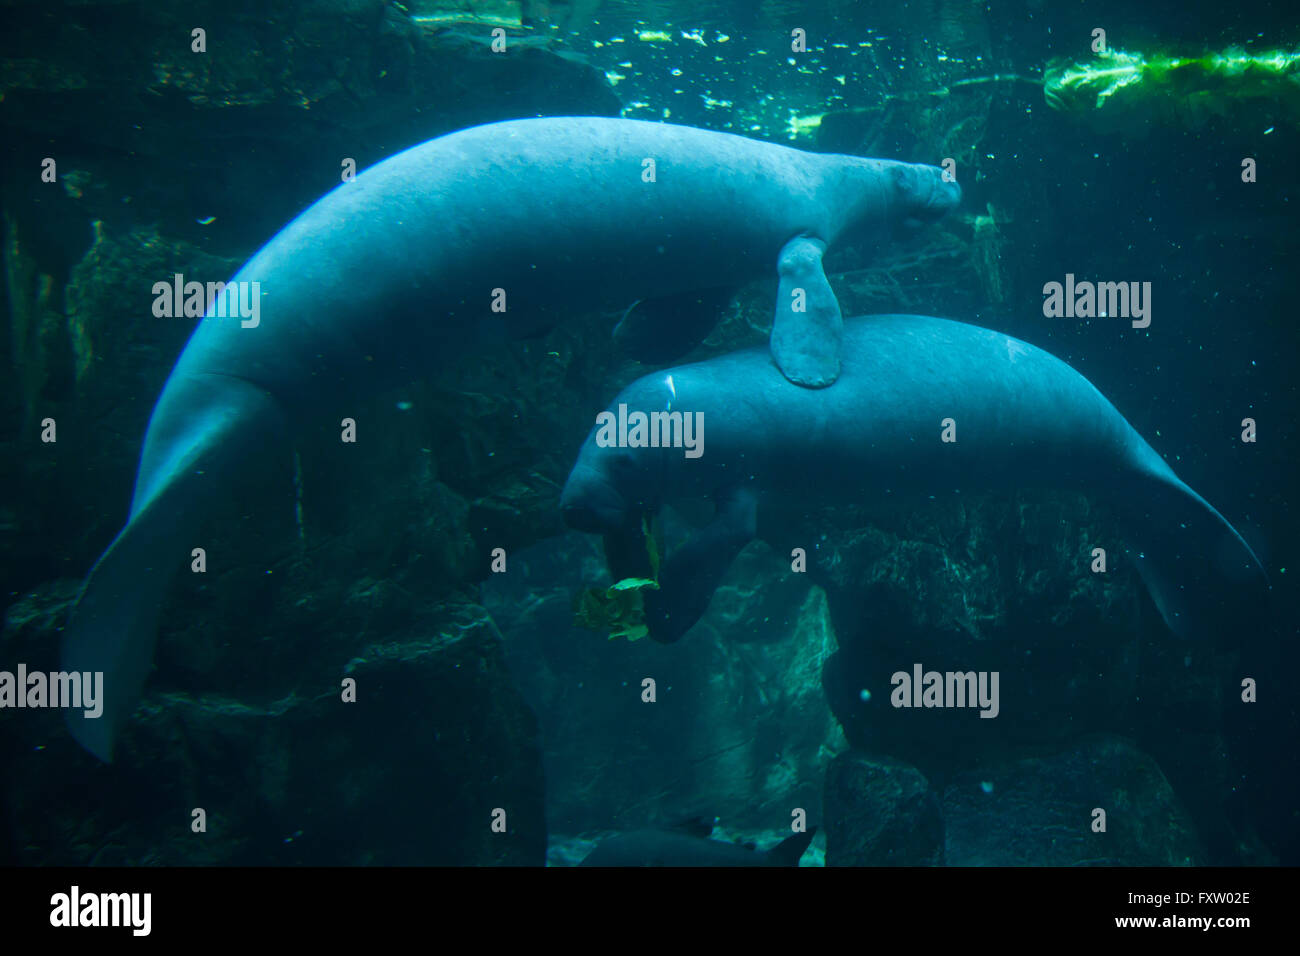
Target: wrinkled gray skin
x=669, y=848
x=1023, y=419
x=392, y=274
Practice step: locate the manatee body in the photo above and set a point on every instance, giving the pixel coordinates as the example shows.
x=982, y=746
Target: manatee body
x=391, y=274
x=671, y=848
x=1021, y=419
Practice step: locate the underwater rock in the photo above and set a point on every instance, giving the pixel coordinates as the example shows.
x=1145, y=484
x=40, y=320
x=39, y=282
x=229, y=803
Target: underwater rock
x=34, y=616
x=1040, y=811
x=358, y=64
x=410, y=774
x=880, y=812
x=978, y=583
x=675, y=848
x=36, y=329
x=987, y=584
x=760, y=601
x=740, y=731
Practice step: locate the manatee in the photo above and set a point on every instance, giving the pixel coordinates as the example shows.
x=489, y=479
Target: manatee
x=1021, y=419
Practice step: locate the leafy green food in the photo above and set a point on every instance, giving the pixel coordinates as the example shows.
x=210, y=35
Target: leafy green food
x=618, y=609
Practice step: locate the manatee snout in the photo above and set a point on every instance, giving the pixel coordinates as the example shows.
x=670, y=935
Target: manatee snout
x=924, y=195
x=589, y=503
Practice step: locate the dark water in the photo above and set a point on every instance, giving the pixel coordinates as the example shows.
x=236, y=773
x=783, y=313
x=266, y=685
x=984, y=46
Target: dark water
x=479, y=698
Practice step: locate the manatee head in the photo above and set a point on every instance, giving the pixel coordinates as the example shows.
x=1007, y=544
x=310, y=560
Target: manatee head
x=591, y=500
x=617, y=477
x=880, y=199
x=921, y=197
x=610, y=488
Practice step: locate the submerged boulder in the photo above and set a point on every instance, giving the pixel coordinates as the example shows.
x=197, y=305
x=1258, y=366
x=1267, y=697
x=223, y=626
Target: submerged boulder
x=1048, y=811
x=880, y=812
x=738, y=730
x=436, y=746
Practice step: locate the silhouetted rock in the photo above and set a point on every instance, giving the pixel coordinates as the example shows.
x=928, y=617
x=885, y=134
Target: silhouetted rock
x=880, y=812
x=1041, y=811
x=437, y=741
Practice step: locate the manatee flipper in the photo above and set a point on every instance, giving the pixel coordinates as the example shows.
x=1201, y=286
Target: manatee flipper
x=663, y=329
x=1202, y=575
x=195, y=441
x=690, y=575
x=807, y=328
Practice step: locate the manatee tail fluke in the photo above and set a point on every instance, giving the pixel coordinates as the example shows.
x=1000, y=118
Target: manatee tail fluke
x=202, y=434
x=1202, y=575
x=114, y=626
